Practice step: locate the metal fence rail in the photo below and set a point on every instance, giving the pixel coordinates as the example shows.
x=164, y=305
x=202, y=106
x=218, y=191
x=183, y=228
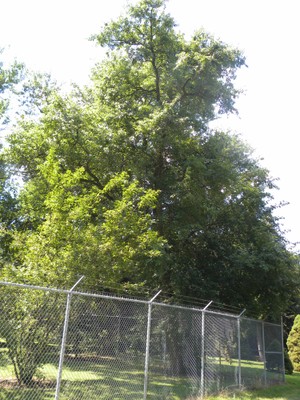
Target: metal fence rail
x=68, y=345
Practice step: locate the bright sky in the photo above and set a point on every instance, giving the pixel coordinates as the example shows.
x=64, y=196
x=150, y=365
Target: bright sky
x=51, y=36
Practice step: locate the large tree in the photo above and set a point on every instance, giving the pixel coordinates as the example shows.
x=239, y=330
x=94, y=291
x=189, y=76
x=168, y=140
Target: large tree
x=126, y=183
x=9, y=76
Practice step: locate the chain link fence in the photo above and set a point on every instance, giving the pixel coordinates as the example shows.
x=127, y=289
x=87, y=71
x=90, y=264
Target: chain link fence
x=67, y=345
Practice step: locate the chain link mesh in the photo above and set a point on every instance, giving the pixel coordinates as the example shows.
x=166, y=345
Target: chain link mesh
x=175, y=353
x=31, y=324
x=105, y=351
x=221, y=353
x=274, y=358
x=252, y=354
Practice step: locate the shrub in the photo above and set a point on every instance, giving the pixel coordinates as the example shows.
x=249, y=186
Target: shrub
x=293, y=344
x=288, y=366
x=29, y=322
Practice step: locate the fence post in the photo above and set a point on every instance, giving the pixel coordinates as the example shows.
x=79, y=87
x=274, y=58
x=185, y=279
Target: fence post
x=264, y=352
x=239, y=349
x=203, y=350
x=64, y=340
x=282, y=349
x=148, y=345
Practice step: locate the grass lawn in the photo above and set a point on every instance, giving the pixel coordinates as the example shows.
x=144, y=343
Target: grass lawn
x=288, y=391
x=109, y=378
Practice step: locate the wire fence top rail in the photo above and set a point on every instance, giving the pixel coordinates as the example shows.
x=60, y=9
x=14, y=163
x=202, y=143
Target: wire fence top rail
x=122, y=298
x=70, y=291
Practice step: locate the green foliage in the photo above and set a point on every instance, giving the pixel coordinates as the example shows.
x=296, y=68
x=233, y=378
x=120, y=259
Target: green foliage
x=288, y=365
x=8, y=212
x=126, y=184
x=28, y=321
x=293, y=344
x=104, y=234
x=8, y=77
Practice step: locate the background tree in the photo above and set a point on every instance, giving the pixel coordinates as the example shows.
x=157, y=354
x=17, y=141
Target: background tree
x=8, y=212
x=125, y=181
x=9, y=76
x=160, y=92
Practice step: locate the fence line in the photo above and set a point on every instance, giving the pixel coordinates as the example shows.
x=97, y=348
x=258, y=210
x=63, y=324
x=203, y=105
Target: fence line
x=100, y=346
x=64, y=340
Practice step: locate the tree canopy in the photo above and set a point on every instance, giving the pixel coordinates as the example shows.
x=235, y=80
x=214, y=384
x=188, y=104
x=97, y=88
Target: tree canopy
x=9, y=76
x=125, y=182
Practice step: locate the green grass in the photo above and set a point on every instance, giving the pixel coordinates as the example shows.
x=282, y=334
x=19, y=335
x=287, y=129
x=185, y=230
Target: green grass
x=103, y=379
x=288, y=391
x=109, y=378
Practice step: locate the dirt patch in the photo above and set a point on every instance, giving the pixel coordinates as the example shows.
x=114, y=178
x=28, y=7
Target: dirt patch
x=12, y=383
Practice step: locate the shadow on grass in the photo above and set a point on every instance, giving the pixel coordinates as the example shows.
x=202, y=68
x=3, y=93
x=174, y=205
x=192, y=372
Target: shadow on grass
x=108, y=378
x=26, y=394
x=104, y=379
x=101, y=389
